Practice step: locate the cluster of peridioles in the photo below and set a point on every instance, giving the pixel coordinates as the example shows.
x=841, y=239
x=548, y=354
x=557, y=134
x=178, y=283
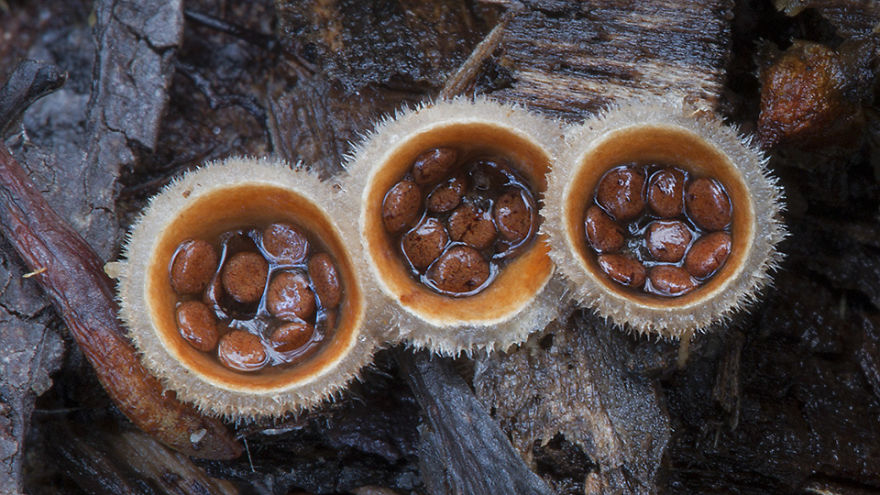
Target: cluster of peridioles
x=459, y=226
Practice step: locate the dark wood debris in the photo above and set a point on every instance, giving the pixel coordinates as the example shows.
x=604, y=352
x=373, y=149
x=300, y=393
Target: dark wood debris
x=110, y=462
x=784, y=399
x=802, y=412
x=463, y=450
x=571, y=383
x=570, y=59
x=848, y=17
x=72, y=276
x=405, y=42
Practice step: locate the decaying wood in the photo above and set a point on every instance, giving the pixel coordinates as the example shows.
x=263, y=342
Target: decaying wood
x=571, y=382
x=77, y=181
x=368, y=59
x=573, y=58
x=30, y=352
x=463, y=81
x=463, y=450
x=786, y=400
x=125, y=112
x=363, y=43
x=569, y=60
x=30, y=81
x=869, y=354
x=727, y=388
x=850, y=17
x=82, y=187
x=129, y=463
x=70, y=272
x=804, y=405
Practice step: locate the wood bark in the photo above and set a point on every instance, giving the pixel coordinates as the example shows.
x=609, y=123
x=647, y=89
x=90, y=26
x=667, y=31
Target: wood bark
x=783, y=399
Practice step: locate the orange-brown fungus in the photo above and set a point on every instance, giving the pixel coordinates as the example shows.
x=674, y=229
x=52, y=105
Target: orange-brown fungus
x=268, y=298
x=811, y=96
x=657, y=229
x=458, y=217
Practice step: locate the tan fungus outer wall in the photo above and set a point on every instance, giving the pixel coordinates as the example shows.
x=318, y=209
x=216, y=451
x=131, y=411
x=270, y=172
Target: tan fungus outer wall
x=233, y=193
x=660, y=132
x=525, y=296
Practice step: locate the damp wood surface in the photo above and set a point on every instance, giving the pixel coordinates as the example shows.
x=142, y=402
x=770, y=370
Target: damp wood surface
x=570, y=59
x=784, y=399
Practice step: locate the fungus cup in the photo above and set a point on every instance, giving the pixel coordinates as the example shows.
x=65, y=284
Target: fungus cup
x=644, y=138
x=166, y=311
x=448, y=195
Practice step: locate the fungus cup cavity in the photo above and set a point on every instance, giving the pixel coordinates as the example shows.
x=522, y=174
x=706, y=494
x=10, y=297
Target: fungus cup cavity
x=448, y=195
x=226, y=304
x=600, y=217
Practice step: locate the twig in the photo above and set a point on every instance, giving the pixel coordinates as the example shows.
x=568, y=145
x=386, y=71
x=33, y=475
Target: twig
x=29, y=82
x=459, y=82
x=72, y=275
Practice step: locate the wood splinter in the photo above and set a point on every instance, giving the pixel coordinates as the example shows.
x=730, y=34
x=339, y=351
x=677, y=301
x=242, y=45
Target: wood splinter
x=38, y=271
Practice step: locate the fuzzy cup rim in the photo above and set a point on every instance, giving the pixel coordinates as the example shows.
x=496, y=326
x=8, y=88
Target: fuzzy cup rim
x=525, y=296
x=261, y=190
x=673, y=134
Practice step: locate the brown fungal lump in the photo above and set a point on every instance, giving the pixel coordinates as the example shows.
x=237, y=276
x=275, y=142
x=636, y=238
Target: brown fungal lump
x=449, y=195
x=662, y=218
x=193, y=266
x=265, y=284
x=658, y=231
x=496, y=218
x=242, y=295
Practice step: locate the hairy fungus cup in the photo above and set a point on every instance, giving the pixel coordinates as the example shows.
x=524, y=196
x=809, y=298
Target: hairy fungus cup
x=448, y=196
x=241, y=293
x=664, y=220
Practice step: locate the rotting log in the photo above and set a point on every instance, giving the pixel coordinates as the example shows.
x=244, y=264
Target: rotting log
x=799, y=354
x=107, y=462
x=463, y=450
x=571, y=385
x=570, y=59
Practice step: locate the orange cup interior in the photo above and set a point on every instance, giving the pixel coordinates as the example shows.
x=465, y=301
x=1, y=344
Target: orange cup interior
x=669, y=146
x=240, y=206
x=518, y=281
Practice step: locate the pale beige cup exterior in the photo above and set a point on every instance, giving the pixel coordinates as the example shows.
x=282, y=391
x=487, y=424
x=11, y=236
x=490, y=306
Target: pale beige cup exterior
x=506, y=311
x=223, y=196
x=649, y=133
